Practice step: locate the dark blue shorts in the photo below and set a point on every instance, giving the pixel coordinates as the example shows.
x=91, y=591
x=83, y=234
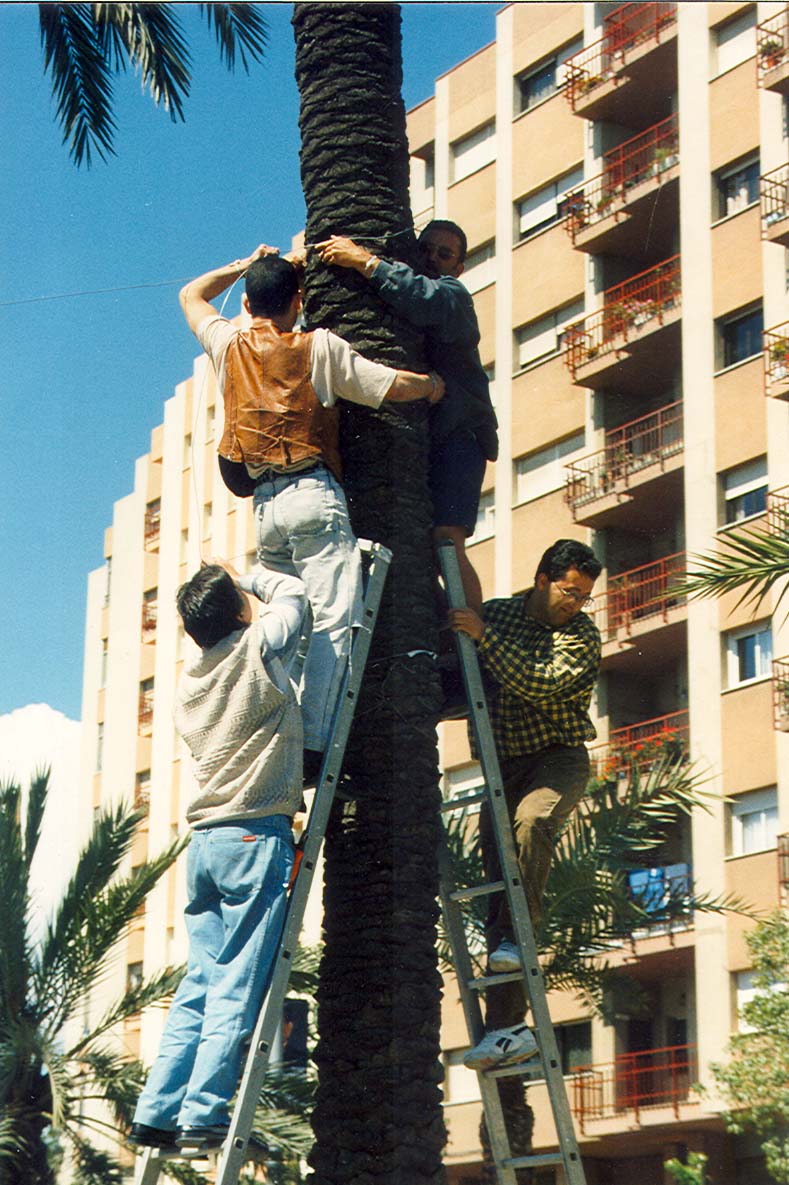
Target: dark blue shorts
x=456, y=470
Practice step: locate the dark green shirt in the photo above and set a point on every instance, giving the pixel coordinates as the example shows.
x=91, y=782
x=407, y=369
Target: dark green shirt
x=541, y=678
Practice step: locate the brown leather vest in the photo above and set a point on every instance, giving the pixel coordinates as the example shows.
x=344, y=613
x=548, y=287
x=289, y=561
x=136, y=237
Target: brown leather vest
x=272, y=414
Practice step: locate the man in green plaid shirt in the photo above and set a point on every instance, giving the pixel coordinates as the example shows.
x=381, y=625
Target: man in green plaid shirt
x=541, y=655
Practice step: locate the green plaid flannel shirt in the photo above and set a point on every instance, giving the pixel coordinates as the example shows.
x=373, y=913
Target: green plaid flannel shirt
x=541, y=679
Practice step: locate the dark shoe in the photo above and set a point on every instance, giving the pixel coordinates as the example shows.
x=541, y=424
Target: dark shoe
x=151, y=1137
x=313, y=760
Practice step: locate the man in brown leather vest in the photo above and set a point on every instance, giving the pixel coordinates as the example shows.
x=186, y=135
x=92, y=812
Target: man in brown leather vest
x=280, y=390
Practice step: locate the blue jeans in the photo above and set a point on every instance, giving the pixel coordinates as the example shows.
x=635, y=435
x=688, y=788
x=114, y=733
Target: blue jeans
x=303, y=528
x=237, y=880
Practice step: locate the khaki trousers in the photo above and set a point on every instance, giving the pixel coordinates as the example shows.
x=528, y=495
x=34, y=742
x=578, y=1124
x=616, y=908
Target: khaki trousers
x=541, y=790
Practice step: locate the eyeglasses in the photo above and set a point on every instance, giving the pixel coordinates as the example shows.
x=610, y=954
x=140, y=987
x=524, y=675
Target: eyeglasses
x=572, y=594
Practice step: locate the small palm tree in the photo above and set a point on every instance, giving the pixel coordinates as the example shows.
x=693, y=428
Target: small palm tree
x=86, y=45
x=49, y=1065
x=754, y=560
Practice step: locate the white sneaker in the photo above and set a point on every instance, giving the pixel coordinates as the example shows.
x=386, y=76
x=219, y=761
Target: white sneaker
x=505, y=957
x=502, y=1047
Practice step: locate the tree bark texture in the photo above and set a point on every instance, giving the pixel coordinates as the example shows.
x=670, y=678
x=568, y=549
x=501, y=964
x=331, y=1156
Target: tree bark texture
x=378, y=1113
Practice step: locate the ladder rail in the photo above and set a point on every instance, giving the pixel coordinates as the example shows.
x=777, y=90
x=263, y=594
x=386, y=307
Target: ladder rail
x=233, y=1155
x=534, y=983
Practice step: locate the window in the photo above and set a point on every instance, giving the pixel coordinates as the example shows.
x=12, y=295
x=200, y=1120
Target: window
x=745, y=491
x=543, y=338
x=187, y=450
x=210, y=421
x=735, y=41
x=145, y=705
x=183, y=551
x=575, y=1045
x=150, y=609
x=736, y=187
x=461, y=1085
x=465, y=780
x=540, y=472
x=750, y=653
x=133, y=977
x=486, y=515
x=99, y=747
x=103, y=663
x=490, y=371
x=108, y=578
x=208, y=510
x=423, y=177
x=545, y=206
x=153, y=512
x=745, y=992
x=480, y=267
x=740, y=337
x=473, y=152
x=754, y=821
x=142, y=789
x=543, y=80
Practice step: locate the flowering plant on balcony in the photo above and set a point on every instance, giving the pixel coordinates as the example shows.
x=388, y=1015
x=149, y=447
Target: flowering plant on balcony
x=667, y=745
x=771, y=52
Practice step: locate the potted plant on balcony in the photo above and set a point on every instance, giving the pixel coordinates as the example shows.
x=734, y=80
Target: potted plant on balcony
x=666, y=156
x=779, y=358
x=771, y=52
x=604, y=204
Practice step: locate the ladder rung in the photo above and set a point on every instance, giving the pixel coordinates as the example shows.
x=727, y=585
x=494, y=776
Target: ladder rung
x=486, y=981
x=456, y=804
x=517, y=1070
x=476, y=891
x=533, y=1162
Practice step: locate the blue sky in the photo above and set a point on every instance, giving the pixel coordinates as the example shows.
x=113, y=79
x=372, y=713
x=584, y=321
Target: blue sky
x=85, y=375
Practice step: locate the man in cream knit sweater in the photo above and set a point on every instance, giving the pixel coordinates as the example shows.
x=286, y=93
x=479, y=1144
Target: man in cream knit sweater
x=238, y=714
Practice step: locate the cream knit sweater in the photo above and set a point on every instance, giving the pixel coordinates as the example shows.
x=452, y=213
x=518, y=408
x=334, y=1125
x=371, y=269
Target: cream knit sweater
x=238, y=714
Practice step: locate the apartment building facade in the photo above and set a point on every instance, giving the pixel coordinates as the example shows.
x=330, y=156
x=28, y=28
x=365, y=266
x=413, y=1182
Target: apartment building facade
x=621, y=172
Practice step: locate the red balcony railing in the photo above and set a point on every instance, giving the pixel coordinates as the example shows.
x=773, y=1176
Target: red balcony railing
x=774, y=197
x=772, y=43
x=627, y=27
x=634, y=1082
x=647, y=591
x=781, y=694
x=639, y=159
x=642, y=744
x=629, y=307
x=783, y=865
x=152, y=520
x=145, y=709
x=631, y=447
x=149, y=616
x=778, y=511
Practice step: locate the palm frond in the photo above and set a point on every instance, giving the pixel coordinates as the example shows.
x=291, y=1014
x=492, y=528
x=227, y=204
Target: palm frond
x=151, y=37
x=754, y=561
x=93, y=1167
x=115, y=1078
x=304, y=975
x=81, y=79
x=150, y=991
x=34, y=812
x=15, y=892
x=238, y=28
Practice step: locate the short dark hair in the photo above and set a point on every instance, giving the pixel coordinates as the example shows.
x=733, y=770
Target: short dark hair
x=569, y=553
x=210, y=605
x=453, y=228
x=271, y=283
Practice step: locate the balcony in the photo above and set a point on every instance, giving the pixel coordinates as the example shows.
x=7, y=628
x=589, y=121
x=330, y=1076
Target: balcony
x=633, y=1083
x=634, y=336
x=642, y=744
x=783, y=867
x=772, y=59
x=777, y=521
x=145, y=708
x=638, y=603
x=148, y=623
x=632, y=69
x=665, y=893
x=152, y=523
x=635, y=454
x=774, y=199
x=781, y=694
x=619, y=210
x=775, y=347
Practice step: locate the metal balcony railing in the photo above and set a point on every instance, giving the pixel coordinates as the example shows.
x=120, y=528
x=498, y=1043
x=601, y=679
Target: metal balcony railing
x=647, y=155
x=642, y=744
x=647, y=591
x=665, y=893
x=644, y=300
x=152, y=521
x=781, y=694
x=634, y=1082
x=628, y=449
x=775, y=347
x=772, y=43
x=778, y=511
x=774, y=197
x=783, y=865
x=150, y=612
x=145, y=710
x=629, y=26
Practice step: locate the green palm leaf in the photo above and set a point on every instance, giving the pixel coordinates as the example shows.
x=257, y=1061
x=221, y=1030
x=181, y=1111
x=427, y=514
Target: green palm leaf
x=754, y=561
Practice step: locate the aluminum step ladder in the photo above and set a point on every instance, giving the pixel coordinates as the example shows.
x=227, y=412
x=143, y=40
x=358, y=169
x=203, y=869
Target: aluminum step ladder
x=530, y=974
x=234, y=1155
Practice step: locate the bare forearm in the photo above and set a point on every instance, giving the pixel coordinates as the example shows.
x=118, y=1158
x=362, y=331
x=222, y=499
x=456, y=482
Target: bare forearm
x=408, y=387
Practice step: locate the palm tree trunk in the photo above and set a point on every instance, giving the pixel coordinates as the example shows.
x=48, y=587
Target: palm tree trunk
x=378, y=1112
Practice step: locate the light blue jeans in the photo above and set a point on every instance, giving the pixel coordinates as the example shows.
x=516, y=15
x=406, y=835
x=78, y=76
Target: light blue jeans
x=237, y=880
x=303, y=528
